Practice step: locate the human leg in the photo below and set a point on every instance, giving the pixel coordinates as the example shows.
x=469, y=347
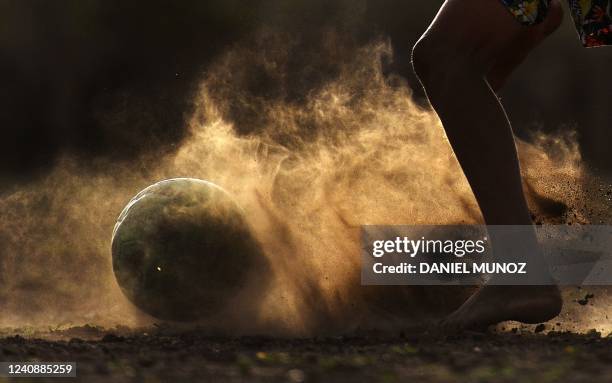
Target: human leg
x=464, y=46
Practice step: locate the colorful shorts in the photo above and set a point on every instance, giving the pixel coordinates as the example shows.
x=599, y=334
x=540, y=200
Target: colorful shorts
x=592, y=17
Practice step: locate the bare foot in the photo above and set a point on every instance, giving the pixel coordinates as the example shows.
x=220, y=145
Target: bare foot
x=493, y=304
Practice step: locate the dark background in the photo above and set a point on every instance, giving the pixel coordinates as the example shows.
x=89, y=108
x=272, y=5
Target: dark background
x=112, y=79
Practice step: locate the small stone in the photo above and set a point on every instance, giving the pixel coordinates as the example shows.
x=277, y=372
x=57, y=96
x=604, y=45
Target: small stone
x=585, y=300
x=295, y=375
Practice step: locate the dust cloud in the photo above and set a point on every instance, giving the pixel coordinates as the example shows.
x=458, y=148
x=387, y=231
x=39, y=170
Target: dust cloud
x=307, y=169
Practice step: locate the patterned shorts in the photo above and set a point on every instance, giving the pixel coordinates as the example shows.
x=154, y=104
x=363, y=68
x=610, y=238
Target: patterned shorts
x=592, y=18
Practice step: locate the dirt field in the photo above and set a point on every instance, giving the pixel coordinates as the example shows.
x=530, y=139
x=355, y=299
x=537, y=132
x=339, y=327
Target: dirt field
x=519, y=356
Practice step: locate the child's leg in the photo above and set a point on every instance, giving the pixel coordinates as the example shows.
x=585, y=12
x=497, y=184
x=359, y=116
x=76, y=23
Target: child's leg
x=462, y=47
x=453, y=59
x=529, y=37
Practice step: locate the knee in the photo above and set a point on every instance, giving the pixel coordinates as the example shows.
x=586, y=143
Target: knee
x=437, y=63
x=424, y=60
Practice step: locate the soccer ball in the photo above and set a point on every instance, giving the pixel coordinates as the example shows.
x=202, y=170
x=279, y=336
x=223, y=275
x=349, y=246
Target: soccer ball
x=182, y=249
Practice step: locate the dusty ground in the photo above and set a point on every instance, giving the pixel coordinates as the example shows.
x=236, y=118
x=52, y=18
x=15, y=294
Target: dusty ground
x=518, y=356
x=512, y=353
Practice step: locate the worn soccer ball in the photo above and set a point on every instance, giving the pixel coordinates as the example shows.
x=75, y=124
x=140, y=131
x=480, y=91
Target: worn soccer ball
x=182, y=250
